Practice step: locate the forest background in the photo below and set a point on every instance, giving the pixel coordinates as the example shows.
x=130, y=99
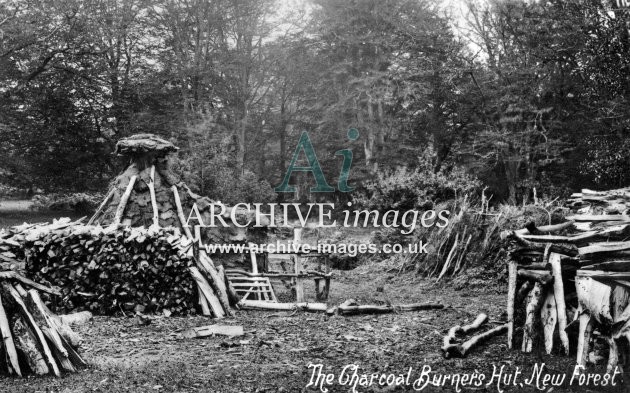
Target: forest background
x=448, y=97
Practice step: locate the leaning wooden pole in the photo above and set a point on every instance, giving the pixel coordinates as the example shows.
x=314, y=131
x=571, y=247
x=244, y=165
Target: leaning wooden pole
x=30, y=321
x=7, y=340
x=206, y=265
x=156, y=220
x=208, y=293
x=120, y=210
x=102, y=206
x=180, y=212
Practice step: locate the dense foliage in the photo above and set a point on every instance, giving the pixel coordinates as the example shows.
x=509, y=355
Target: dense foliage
x=519, y=94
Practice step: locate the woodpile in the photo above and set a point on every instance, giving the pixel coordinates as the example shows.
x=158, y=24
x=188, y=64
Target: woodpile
x=575, y=273
x=34, y=341
x=109, y=270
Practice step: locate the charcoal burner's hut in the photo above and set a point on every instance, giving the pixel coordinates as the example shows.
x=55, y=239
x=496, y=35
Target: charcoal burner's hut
x=148, y=192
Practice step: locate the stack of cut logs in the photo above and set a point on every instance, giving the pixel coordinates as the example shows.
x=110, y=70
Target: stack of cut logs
x=34, y=341
x=576, y=273
x=110, y=269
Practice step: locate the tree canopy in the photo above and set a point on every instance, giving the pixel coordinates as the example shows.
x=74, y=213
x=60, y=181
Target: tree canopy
x=512, y=93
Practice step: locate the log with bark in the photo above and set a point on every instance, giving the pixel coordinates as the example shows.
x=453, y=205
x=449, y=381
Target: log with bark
x=265, y=305
x=353, y=309
x=212, y=330
x=449, y=347
x=33, y=339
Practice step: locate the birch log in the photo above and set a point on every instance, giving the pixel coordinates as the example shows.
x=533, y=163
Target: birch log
x=510, y=301
x=208, y=293
x=120, y=210
x=463, y=349
x=558, y=291
x=448, y=347
x=40, y=340
x=549, y=319
x=26, y=342
x=156, y=220
x=613, y=355
x=180, y=213
x=216, y=281
x=102, y=206
x=36, y=307
x=264, y=305
x=534, y=301
x=584, y=338
x=7, y=340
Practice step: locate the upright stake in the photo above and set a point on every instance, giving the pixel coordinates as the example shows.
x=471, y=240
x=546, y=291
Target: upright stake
x=297, y=262
x=558, y=291
x=510, y=301
x=584, y=337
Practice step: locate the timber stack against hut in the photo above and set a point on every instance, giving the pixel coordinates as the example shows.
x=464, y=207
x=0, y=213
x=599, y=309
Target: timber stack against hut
x=569, y=279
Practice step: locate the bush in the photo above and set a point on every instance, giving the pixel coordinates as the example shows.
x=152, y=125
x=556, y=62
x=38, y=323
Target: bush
x=211, y=173
x=417, y=188
x=607, y=161
x=79, y=202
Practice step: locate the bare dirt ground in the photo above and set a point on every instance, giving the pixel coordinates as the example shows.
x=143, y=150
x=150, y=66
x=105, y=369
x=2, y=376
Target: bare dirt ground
x=275, y=353
x=277, y=348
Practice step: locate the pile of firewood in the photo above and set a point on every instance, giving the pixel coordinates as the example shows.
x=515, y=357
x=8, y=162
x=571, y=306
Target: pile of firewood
x=119, y=269
x=573, y=273
x=34, y=341
x=107, y=270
